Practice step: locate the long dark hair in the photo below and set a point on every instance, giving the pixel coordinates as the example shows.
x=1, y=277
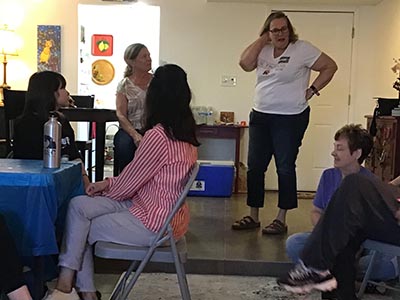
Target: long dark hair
x=40, y=98
x=167, y=102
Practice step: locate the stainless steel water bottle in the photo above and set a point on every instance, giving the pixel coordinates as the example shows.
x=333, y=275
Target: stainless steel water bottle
x=52, y=143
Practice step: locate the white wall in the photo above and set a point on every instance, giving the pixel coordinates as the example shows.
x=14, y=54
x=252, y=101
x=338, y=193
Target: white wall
x=377, y=43
x=24, y=16
x=144, y=27
x=206, y=39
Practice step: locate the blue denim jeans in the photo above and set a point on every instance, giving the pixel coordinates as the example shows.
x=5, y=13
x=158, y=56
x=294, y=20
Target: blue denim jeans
x=295, y=244
x=124, y=149
x=279, y=136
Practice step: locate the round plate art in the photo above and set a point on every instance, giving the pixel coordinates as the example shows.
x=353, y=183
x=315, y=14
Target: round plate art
x=102, y=72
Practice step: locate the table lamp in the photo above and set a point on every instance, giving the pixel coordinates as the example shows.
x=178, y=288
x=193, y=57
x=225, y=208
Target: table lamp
x=9, y=44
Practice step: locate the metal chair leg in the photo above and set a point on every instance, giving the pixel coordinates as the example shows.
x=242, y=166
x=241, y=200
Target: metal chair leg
x=180, y=271
x=131, y=282
x=366, y=276
x=122, y=281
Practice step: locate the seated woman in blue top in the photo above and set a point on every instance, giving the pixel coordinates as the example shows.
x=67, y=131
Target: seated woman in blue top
x=352, y=145
x=46, y=92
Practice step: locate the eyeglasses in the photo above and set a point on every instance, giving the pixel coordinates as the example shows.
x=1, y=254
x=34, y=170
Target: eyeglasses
x=277, y=31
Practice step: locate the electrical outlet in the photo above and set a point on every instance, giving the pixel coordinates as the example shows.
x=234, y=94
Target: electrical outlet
x=229, y=81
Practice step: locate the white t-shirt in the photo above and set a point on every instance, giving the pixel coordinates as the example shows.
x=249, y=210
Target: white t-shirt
x=282, y=81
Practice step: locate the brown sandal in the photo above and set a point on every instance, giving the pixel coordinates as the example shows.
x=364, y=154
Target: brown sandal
x=246, y=222
x=276, y=227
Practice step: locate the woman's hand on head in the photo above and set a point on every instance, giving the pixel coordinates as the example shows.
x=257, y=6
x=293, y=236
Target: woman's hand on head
x=265, y=37
x=96, y=188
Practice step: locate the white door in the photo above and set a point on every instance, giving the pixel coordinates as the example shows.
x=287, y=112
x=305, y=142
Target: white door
x=332, y=33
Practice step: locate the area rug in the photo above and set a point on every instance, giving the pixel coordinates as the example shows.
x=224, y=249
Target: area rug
x=161, y=286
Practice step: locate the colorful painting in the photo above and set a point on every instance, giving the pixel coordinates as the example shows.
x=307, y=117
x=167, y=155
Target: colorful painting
x=49, y=48
x=102, y=45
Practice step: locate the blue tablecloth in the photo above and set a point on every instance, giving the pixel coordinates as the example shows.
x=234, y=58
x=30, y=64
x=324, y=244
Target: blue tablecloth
x=34, y=201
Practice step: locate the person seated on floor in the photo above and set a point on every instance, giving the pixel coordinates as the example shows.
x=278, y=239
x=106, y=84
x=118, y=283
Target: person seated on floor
x=46, y=93
x=131, y=208
x=11, y=278
x=352, y=145
x=363, y=207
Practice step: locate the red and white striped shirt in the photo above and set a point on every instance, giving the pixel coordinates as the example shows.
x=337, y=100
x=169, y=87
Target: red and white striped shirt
x=155, y=179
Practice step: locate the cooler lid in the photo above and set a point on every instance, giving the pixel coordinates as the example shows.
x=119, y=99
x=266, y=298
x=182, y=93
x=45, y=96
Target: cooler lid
x=216, y=162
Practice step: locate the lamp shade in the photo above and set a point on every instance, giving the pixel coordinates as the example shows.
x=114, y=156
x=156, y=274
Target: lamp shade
x=9, y=41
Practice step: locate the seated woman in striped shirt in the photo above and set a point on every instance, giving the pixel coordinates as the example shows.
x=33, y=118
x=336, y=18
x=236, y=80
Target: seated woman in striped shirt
x=131, y=208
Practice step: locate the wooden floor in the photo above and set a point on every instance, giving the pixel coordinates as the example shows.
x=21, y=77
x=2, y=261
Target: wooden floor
x=214, y=248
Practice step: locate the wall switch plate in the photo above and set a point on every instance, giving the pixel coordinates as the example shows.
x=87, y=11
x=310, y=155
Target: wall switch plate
x=229, y=81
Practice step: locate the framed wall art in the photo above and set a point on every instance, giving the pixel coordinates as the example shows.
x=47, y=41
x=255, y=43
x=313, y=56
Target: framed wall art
x=49, y=48
x=102, y=45
x=102, y=72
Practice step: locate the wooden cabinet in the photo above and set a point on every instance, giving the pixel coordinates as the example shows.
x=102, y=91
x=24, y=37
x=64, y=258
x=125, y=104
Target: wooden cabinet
x=384, y=160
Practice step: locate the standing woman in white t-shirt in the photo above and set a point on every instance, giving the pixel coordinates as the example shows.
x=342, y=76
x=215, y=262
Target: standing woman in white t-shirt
x=280, y=114
x=131, y=94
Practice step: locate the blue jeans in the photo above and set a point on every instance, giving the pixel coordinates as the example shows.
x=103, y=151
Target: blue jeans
x=295, y=244
x=383, y=268
x=124, y=150
x=279, y=136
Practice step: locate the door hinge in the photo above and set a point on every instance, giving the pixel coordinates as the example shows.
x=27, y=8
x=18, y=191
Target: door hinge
x=349, y=100
x=353, y=32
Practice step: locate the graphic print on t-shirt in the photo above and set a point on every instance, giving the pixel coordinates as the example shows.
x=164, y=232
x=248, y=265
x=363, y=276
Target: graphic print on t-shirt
x=276, y=67
x=65, y=142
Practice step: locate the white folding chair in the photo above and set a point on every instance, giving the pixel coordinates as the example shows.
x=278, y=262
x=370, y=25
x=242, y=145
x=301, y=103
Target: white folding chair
x=175, y=253
x=375, y=246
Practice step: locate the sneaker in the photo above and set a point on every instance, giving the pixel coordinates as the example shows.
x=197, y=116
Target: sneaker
x=303, y=280
x=58, y=295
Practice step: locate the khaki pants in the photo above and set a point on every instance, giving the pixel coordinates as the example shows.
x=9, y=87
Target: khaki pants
x=92, y=219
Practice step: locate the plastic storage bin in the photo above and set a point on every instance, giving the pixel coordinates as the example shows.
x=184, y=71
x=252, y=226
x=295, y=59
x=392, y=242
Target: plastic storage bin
x=215, y=179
